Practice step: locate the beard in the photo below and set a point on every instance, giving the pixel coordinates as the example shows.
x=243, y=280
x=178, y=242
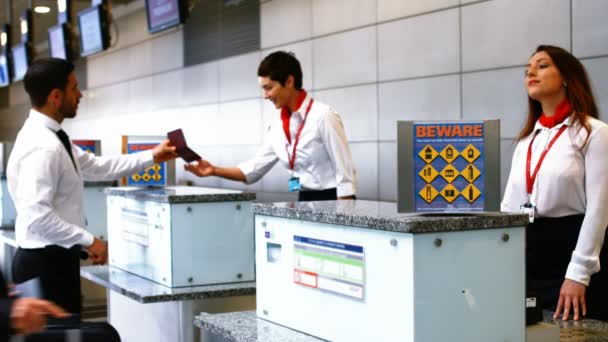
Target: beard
x=67, y=111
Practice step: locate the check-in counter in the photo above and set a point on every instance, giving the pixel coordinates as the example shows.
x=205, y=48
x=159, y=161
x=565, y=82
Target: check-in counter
x=360, y=271
x=247, y=327
x=193, y=245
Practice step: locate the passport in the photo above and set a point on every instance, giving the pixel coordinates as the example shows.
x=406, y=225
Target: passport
x=178, y=140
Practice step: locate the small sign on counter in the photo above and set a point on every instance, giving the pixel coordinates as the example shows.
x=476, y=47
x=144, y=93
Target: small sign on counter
x=329, y=266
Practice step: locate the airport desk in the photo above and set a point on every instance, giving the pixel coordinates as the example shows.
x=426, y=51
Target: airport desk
x=193, y=244
x=360, y=271
x=142, y=310
x=247, y=327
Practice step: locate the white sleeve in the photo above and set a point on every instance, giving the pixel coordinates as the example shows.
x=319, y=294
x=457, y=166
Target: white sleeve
x=336, y=144
x=258, y=166
x=585, y=258
x=95, y=168
x=34, y=193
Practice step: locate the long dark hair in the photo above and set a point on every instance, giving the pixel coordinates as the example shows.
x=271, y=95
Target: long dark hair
x=578, y=90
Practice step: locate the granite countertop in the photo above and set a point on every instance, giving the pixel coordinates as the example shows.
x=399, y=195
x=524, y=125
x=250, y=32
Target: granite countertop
x=100, y=184
x=586, y=330
x=181, y=194
x=244, y=326
x=147, y=291
x=384, y=216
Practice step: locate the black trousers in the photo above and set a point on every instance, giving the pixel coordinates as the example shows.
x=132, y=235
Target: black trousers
x=318, y=195
x=89, y=332
x=59, y=271
x=549, y=246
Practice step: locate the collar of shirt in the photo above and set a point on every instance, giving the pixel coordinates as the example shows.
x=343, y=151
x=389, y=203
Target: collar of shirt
x=567, y=121
x=562, y=111
x=44, y=120
x=286, y=115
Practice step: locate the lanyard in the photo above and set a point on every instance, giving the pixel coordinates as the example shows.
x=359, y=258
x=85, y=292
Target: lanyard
x=530, y=179
x=292, y=157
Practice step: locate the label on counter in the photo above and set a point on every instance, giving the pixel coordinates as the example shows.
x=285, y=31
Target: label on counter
x=329, y=266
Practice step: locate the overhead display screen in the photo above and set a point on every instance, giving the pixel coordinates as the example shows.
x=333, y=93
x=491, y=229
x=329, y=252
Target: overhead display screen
x=57, y=43
x=162, y=14
x=91, y=34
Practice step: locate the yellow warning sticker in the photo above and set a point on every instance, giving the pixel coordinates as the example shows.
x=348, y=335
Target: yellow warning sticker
x=156, y=167
x=470, y=193
x=470, y=153
x=449, y=193
x=428, y=173
x=449, y=173
x=449, y=153
x=428, y=154
x=428, y=193
x=146, y=177
x=135, y=177
x=470, y=173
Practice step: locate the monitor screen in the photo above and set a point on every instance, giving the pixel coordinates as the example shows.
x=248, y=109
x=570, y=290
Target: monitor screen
x=91, y=31
x=57, y=43
x=162, y=14
x=20, y=61
x=4, y=75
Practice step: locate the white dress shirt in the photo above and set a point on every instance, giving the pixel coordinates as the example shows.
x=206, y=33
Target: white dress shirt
x=323, y=159
x=570, y=181
x=48, y=192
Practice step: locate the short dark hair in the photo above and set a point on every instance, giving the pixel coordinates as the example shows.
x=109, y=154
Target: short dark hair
x=43, y=76
x=279, y=65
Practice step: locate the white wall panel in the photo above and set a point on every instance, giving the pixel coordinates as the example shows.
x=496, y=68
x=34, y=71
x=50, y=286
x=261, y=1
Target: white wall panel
x=345, y=59
x=506, y=32
x=238, y=77
x=435, y=98
x=387, y=171
x=419, y=46
x=240, y=123
x=391, y=9
x=589, y=28
x=336, y=15
x=358, y=109
x=497, y=94
x=365, y=157
x=200, y=84
x=597, y=70
x=285, y=21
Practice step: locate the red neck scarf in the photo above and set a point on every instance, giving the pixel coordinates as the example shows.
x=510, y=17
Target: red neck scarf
x=286, y=114
x=562, y=111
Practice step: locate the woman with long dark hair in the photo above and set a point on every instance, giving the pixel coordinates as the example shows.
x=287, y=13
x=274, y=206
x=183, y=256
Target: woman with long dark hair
x=559, y=176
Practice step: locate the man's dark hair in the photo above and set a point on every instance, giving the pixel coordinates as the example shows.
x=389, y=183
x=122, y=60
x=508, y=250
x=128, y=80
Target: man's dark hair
x=43, y=76
x=279, y=65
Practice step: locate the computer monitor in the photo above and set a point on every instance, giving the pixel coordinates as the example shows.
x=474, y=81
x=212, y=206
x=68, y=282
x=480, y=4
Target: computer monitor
x=94, y=30
x=21, y=60
x=164, y=14
x=59, y=45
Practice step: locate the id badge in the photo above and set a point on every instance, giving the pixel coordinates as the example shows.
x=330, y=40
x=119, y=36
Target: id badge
x=528, y=209
x=294, y=184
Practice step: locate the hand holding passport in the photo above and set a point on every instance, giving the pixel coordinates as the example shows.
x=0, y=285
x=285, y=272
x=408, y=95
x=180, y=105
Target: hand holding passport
x=177, y=139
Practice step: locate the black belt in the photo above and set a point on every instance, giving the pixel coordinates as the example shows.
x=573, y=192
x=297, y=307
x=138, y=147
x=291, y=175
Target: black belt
x=318, y=195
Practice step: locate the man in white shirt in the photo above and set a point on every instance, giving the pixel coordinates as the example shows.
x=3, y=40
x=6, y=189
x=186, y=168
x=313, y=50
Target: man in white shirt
x=45, y=176
x=307, y=137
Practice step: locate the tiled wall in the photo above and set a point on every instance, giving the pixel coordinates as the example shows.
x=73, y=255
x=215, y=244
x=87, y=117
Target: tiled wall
x=375, y=61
